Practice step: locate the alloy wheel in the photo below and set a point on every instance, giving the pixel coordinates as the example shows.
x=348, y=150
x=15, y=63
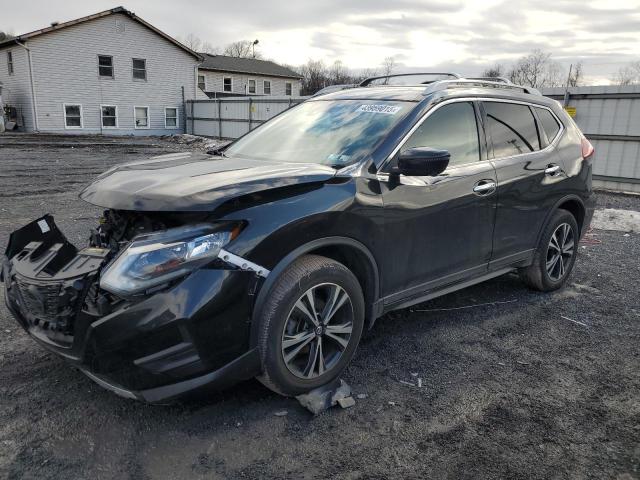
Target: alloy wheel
x=559, y=252
x=317, y=331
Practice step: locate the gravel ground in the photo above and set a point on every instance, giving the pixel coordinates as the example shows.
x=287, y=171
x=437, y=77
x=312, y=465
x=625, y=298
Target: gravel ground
x=516, y=384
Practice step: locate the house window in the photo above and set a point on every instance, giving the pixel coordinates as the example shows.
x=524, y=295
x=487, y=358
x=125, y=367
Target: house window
x=267, y=87
x=251, y=86
x=171, y=117
x=10, y=62
x=109, y=115
x=141, y=115
x=227, y=84
x=105, y=66
x=202, y=85
x=72, y=116
x=288, y=87
x=139, y=69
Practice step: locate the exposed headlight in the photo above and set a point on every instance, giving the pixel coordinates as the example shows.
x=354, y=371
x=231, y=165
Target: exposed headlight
x=156, y=258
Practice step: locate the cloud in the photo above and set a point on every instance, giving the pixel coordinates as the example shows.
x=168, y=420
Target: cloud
x=461, y=35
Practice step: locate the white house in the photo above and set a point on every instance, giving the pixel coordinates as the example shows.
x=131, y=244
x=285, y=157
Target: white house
x=222, y=76
x=110, y=73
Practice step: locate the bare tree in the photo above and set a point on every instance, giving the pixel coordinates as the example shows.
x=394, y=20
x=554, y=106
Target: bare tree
x=207, y=47
x=314, y=76
x=364, y=74
x=536, y=70
x=628, y=75
x=576, y=74
x=497, y=70
x=242, y=49
x=388, y=66
x=192, y=42
x=338, y=74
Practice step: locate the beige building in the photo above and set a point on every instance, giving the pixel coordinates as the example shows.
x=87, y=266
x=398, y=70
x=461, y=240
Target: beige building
x=222, y=76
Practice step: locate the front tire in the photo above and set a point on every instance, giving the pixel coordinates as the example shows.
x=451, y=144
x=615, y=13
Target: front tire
x=310, y=326
x=555, y=256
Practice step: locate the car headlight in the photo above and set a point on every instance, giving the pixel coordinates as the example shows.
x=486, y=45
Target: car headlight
x=154, y=259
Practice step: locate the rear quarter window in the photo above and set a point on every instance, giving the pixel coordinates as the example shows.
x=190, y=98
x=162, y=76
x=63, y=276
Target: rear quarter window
x=549, y=123
x=512, y=128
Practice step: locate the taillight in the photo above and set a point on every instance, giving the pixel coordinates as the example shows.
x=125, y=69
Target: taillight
x=587, y=148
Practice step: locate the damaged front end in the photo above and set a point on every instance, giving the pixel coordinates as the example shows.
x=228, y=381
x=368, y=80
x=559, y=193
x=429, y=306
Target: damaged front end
x=49, y=282
x=151, y=308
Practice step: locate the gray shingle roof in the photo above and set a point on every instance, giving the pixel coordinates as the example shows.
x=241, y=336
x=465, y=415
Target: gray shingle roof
x=254, y=66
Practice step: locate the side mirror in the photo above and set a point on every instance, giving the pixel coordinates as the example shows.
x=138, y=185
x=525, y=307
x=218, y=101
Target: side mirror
x=423, y=162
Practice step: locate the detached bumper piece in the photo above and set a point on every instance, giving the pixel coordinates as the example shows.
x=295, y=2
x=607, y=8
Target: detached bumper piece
x=48, y=279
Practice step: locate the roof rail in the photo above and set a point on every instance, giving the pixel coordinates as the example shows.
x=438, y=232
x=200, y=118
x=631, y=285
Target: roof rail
x=491, y=79
x=467, y=83
x=373, y=80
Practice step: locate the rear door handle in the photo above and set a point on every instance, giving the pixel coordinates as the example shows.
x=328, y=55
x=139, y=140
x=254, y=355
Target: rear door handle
x=484, y=187
x=552, y=170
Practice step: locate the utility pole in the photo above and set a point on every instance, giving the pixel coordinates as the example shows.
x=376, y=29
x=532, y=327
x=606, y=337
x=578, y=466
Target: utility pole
x=565, y=101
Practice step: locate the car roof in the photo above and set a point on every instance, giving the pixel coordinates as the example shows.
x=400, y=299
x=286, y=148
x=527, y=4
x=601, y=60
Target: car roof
x=400, y=93
x=418, y=93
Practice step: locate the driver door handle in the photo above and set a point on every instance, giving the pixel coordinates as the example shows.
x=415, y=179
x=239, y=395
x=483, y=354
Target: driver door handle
x=552, y=170
x=484, y=187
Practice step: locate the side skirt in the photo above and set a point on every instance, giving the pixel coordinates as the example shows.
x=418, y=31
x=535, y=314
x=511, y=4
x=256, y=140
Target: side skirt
x=446, y=290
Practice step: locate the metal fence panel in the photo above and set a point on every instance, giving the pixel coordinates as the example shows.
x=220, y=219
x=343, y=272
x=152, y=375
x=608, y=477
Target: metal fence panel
x=610, y=117
x=232, y=117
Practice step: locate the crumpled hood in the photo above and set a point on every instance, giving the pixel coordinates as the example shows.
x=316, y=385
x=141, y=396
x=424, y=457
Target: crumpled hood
x=194, y=181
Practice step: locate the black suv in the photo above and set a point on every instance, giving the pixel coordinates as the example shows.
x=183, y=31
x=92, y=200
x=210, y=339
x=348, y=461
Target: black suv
x=269, y=257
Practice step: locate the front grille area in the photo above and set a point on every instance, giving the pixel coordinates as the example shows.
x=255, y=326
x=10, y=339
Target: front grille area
x=51, y=305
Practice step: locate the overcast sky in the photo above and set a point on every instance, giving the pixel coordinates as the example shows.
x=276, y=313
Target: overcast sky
x=463, y=36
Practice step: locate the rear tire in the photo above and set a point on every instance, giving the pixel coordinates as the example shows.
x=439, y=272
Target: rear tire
x=310, y=325
x=555, y=255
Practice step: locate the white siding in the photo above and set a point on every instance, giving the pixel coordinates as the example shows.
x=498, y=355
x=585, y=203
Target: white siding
x=214, y=83
x=16, y=89
x=65, y=66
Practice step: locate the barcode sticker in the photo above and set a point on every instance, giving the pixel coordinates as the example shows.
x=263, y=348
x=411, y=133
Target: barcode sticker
x=44, y=226
x=386, y=109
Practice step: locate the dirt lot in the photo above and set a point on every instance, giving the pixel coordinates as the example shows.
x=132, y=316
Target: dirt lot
x=525, y=385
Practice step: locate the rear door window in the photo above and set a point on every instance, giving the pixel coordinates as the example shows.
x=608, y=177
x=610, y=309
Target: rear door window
x=452, y=127
x=513, y=129
x=549, y=123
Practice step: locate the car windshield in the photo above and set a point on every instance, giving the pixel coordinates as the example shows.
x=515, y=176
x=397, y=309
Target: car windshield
x=335, y=133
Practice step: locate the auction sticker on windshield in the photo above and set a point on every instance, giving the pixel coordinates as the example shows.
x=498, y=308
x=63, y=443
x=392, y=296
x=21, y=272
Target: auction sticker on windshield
x=387, y=109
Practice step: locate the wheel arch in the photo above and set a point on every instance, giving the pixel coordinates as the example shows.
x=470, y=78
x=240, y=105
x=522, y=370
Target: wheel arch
x=348, y=251
x=571, y=203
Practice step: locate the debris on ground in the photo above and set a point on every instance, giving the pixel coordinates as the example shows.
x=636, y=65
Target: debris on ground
x=346, y=402
x=196, y=141
x=461, y=308
x=325, y=397
x=361, y=396
x=574, y=321
x=616, y=219
x=407, y=383
x=281, y=413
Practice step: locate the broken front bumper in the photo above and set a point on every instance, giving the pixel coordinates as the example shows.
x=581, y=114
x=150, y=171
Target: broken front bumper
x=153, y=348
